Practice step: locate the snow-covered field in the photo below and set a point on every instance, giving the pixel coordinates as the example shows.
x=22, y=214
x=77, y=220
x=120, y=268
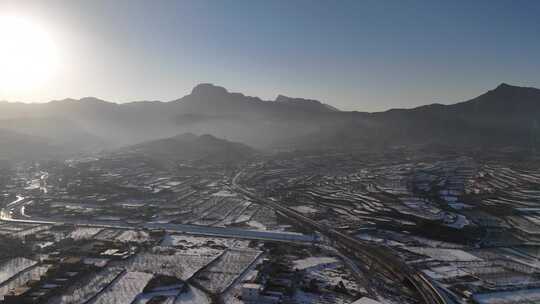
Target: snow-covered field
x=188, y=244
x=445, y=272
x=21, y=230
x=22, y=278
x=133, y=236
x=83, y=233
x=192, y=296
x=256, y=225
x=446, y=255
x=224, y=193
x=234, y=294
x=166, y=261
x=125, y=289
x=86, y=289
x=329, y=271
x=305, y=209
x=266, y=217
x=166, y=293
x=108, y=234
x=12, y=267
x=312, y=262
x=509, y=297
x=219, y=275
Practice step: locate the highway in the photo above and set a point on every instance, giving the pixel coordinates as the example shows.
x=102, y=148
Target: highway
x=6, y=215
x=379, y=256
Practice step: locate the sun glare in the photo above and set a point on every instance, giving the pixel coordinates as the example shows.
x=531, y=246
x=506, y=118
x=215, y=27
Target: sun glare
x=28, y=55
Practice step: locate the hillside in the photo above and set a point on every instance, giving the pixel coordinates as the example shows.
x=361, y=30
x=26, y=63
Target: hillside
x=507, y=115
x=190, y=148
x=17, y=146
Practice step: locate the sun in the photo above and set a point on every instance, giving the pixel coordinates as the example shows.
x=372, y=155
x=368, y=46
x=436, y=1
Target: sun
x=28, y=55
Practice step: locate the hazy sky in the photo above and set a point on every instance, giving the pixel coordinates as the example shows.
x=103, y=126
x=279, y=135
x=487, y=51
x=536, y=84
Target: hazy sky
x=356, y=55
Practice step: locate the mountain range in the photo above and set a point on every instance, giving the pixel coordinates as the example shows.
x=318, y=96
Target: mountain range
x=505, y=116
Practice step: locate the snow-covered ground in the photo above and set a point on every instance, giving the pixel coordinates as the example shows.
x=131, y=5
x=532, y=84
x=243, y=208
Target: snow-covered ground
x=200, y=245
x=192, y=296
x=312, y=262
x=86, y=289
x=168, y=262
x=305, y=209
x=329, y=271
x=509, y=297
x=233, y=295
x=83, y=233
x=219, y=275
x=108, y=234
x=458, y=221
x=13, y=266
x=125, y=289
x=133, y=236
x=446, y=255
x=224, y=193
x=22, y=278
x=445, y=272
x=256, y=225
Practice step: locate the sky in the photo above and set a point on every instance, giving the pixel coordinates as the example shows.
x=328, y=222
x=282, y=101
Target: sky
x=355, y=55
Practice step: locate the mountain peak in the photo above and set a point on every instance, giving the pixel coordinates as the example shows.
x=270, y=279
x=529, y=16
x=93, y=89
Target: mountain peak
x=508, y=87
x=511, y=93
x=208, y=89
x=504, y=86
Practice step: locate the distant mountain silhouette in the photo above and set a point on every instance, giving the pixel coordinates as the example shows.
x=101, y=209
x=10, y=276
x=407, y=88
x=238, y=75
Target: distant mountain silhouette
x=500, y=117
x=505, y=116
x=208, y=109
x=205, y=149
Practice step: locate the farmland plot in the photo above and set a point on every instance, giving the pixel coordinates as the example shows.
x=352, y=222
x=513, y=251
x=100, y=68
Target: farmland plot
x=134, y=236
x=108, y=234
x=12, y=267
x=199, y=245
x=84, y=233
x=9, y=228
x=220, y=274
x=221, y=211
x=33, y=273
x=265, y=218
x=234, y=214
x=192, y=296
x=247, y=213
x=124, y=289
x=33, y=230
x=218, y=210
x=87, y=288
x=201, y=210
x=329, y=271
x=181, y=266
